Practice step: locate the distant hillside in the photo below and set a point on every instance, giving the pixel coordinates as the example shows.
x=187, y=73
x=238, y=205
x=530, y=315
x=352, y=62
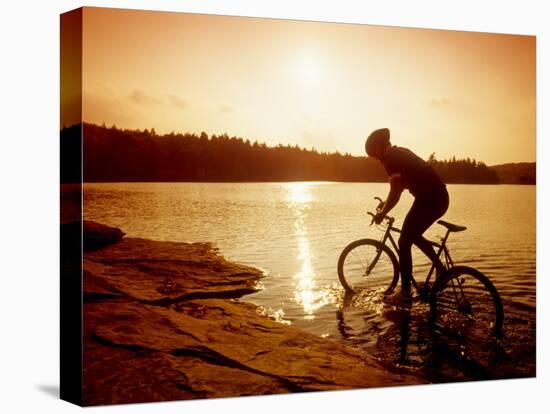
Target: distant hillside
x=517, y=173
x=113, y=154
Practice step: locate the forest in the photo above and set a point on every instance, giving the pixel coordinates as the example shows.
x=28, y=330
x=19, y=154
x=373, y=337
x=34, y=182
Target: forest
x=111, y=154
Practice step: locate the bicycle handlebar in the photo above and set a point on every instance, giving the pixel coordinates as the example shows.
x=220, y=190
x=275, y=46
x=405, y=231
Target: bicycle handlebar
x=388, y=218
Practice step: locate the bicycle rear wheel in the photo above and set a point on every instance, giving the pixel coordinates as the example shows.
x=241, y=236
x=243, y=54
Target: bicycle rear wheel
x=368, y=264
x=464, y=303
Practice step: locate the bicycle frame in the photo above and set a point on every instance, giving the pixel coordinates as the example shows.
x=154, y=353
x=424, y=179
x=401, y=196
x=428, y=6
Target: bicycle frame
x=441, y=248
x=452, y=292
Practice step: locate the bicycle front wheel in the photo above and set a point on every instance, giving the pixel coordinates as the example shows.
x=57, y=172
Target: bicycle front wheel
x=368, y=264
x=464, y=303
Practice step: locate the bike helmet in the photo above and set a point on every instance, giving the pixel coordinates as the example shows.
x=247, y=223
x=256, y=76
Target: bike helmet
x=380, y=137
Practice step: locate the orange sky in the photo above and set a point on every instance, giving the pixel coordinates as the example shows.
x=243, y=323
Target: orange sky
x=313, y=84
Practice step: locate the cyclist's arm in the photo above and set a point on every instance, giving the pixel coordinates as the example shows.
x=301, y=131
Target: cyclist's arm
x=396, y=188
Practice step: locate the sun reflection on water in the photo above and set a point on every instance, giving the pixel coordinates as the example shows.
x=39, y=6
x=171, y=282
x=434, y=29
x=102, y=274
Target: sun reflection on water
x=306, y=292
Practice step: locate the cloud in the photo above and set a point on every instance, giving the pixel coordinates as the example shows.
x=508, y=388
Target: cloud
x=438, y=103
x=225, y=108
x=177, y=101
x=140, y=97
x=102, y=107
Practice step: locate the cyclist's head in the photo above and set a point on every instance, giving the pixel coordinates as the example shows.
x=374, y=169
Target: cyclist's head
x=377, y=142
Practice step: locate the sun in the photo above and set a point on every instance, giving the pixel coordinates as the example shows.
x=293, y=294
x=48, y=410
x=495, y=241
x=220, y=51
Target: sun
x=309, y=70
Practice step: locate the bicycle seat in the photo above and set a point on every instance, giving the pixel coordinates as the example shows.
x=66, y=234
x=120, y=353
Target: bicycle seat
x=452, y=227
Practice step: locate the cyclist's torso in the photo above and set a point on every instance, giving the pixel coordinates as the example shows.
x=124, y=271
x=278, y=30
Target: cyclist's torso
x=416, y=174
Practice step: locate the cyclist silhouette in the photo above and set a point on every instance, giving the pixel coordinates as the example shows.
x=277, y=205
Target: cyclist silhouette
x=431, y=200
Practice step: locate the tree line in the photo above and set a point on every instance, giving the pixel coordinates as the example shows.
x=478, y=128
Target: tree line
x=112, y=154
x=463, y=171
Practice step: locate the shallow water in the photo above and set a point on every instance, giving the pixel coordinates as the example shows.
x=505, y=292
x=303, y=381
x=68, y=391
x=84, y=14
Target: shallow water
x=295, y=233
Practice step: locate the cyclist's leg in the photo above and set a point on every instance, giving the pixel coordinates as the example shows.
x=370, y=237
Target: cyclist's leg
x=437, y=209
x=409, y=232
x=423, y=213
x=426, y=248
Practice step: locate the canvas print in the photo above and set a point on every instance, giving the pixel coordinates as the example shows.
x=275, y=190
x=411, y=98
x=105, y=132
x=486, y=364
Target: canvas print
x=257, y=206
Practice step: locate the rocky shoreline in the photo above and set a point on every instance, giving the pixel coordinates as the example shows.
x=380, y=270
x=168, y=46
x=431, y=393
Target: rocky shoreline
x=164, y=321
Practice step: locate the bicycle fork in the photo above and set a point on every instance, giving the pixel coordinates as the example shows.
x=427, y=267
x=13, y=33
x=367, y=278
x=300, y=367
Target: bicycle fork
x=374, y=261
x=379, y=252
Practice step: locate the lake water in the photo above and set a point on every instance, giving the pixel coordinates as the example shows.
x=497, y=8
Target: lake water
x=295, y=233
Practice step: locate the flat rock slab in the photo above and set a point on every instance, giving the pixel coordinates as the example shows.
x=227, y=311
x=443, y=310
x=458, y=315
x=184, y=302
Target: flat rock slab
x=212, y=348
x=163, y=272
x=161, y=322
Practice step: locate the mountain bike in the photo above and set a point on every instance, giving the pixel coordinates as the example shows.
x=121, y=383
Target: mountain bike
x=463, y=301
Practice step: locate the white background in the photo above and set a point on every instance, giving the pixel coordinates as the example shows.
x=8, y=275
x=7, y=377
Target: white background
x=29, y=232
